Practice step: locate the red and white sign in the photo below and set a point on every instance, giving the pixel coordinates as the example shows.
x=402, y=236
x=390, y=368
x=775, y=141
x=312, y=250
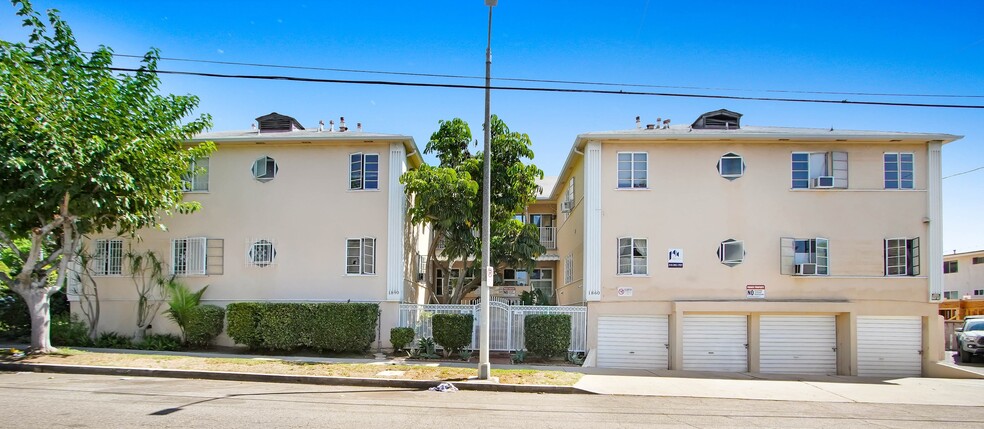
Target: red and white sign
x=624, y=291
x=755, y=291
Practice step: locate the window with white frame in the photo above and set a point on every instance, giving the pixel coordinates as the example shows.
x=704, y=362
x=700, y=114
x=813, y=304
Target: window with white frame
x=949, y=267
x=569, y=269
x=567, y=206
x=633, y=170
x=261, y=253
x=731, y=166
x=265, y=169
x=440, y=288
x=819, y=170
x=898, y=170
x=978, y=292
x=108, y=260
x=360, y=256
x=632, y=256
x=731, y=252
x=804, y=256
x=421, y=267
x=363, y=171
x=541, y=279
x=196, y=179
x=902, y=257
x=188, y=256
x=977, y=260
x=951, y=294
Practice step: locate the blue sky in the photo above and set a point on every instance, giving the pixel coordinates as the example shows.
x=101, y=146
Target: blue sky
x=743, y=49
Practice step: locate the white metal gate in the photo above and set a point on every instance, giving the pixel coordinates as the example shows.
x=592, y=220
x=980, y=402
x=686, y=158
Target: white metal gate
x=798, y=345
x=715, y=343
x=507, y=323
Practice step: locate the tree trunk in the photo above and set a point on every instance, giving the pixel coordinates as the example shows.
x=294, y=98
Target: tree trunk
x=37, y=300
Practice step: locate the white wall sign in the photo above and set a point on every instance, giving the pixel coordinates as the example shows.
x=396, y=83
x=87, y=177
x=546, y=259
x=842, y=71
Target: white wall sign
x=755, y=291
x=624, y=291
x=675, y=258
x=489, y=274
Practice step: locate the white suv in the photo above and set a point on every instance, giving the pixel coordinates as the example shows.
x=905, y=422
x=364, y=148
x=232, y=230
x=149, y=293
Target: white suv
x=970, y=338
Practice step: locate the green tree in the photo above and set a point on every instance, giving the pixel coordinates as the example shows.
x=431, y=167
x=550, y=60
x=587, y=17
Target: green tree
x=447, y=198
x=82, y=150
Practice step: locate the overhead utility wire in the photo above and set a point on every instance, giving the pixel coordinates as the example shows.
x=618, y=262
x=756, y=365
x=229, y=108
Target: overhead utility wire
x=571, y=82
x=964, y=172
x=532, y=89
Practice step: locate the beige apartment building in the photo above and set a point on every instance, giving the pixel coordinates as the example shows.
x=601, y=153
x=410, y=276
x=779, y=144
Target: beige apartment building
x=288, y=214
x=963, y=275
x=725, y=247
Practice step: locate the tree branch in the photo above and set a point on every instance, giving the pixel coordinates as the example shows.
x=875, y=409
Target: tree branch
x=6, y=241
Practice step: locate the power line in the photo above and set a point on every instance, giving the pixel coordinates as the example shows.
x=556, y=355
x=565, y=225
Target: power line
x=566, y=82
x=964, y=172
x=542, y=89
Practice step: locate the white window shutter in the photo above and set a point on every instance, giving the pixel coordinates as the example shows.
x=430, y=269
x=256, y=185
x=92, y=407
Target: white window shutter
x=260, y=167
x=787, y=253
x=839, y=170
x=823, y=256
x=915, y=257
x=196, y=256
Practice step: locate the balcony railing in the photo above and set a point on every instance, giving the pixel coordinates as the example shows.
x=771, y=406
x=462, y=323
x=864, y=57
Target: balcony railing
x=548, y=237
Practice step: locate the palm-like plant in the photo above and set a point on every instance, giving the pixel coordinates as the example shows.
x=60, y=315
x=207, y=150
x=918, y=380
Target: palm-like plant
x=182, y=302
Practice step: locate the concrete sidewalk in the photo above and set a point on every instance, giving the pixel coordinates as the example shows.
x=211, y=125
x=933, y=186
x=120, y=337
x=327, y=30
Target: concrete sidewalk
x=668, y=383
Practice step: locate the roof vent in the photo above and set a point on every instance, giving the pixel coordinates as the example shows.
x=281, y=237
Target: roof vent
x=718, y=120
x=277, y=123
x=650, y=126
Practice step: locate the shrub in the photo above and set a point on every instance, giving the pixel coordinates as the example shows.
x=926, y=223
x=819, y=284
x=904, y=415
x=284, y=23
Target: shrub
x=400, y=337
x=452, y=331
x=548, y=335
x=69, y=331
x=15, y=320
x=160, y=342
x=181, y=303
x=243, y=319
x=285, y=326
x=342, y=327
x=204, y=323
x=113, y=340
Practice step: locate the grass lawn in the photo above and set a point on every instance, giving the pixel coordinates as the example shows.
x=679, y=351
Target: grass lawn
x=273, y=366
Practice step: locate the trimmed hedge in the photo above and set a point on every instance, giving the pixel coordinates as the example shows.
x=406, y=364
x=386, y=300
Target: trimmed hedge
x=243, y=319
x=204, y=324
x=401, y=337
x=452, y=331
x=548, y=335
x=338, y=327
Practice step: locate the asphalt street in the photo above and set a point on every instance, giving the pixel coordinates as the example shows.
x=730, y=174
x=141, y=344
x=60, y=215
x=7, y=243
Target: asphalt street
x=84, y=401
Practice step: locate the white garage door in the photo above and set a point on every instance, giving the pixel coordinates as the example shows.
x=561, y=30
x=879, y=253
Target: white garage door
x=798, y=344
x=632, y=342
x=889, y=346
x=715, y=343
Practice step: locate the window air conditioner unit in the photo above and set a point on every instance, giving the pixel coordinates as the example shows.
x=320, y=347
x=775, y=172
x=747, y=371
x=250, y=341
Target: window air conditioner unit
x=566, y=206
x=823, y=182
x=806, y=269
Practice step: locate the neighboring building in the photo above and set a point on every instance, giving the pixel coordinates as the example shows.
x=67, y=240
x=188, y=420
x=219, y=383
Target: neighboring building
x=720, y=246
x=288, y=214
x=963, y=275
x=963, y=285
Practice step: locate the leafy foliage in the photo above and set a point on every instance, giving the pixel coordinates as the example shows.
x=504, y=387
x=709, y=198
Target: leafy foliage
x=160, y=342
x=426, y=349
x=401, y=337
x=182, y=304
x=548, y=335
x=453, y=331
x=243, y=319
x=113, y=340
x=69, y=331
x=448, y=199
x=338, y=327
x=82, y=150
x=204, y=323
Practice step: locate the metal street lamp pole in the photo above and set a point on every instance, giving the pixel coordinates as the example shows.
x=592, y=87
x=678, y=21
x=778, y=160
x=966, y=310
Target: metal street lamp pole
x=484, y=367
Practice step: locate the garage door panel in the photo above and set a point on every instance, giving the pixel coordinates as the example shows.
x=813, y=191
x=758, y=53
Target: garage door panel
x=715, y=343
x=793, y=344
x=889, y=346
x=633, y=342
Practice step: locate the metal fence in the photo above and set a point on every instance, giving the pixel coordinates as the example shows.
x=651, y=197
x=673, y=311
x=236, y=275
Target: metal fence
x=507, y=322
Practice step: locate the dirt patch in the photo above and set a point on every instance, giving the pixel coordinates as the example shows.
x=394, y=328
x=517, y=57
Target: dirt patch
x=274, y=366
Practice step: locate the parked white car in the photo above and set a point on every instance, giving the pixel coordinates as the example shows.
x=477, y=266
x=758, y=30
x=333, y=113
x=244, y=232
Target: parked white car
x=970, y=338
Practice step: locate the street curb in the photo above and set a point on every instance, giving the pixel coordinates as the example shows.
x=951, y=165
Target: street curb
x=281, y=378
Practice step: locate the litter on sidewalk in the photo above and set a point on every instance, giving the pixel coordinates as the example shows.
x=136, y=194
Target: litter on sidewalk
x=444, y=387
